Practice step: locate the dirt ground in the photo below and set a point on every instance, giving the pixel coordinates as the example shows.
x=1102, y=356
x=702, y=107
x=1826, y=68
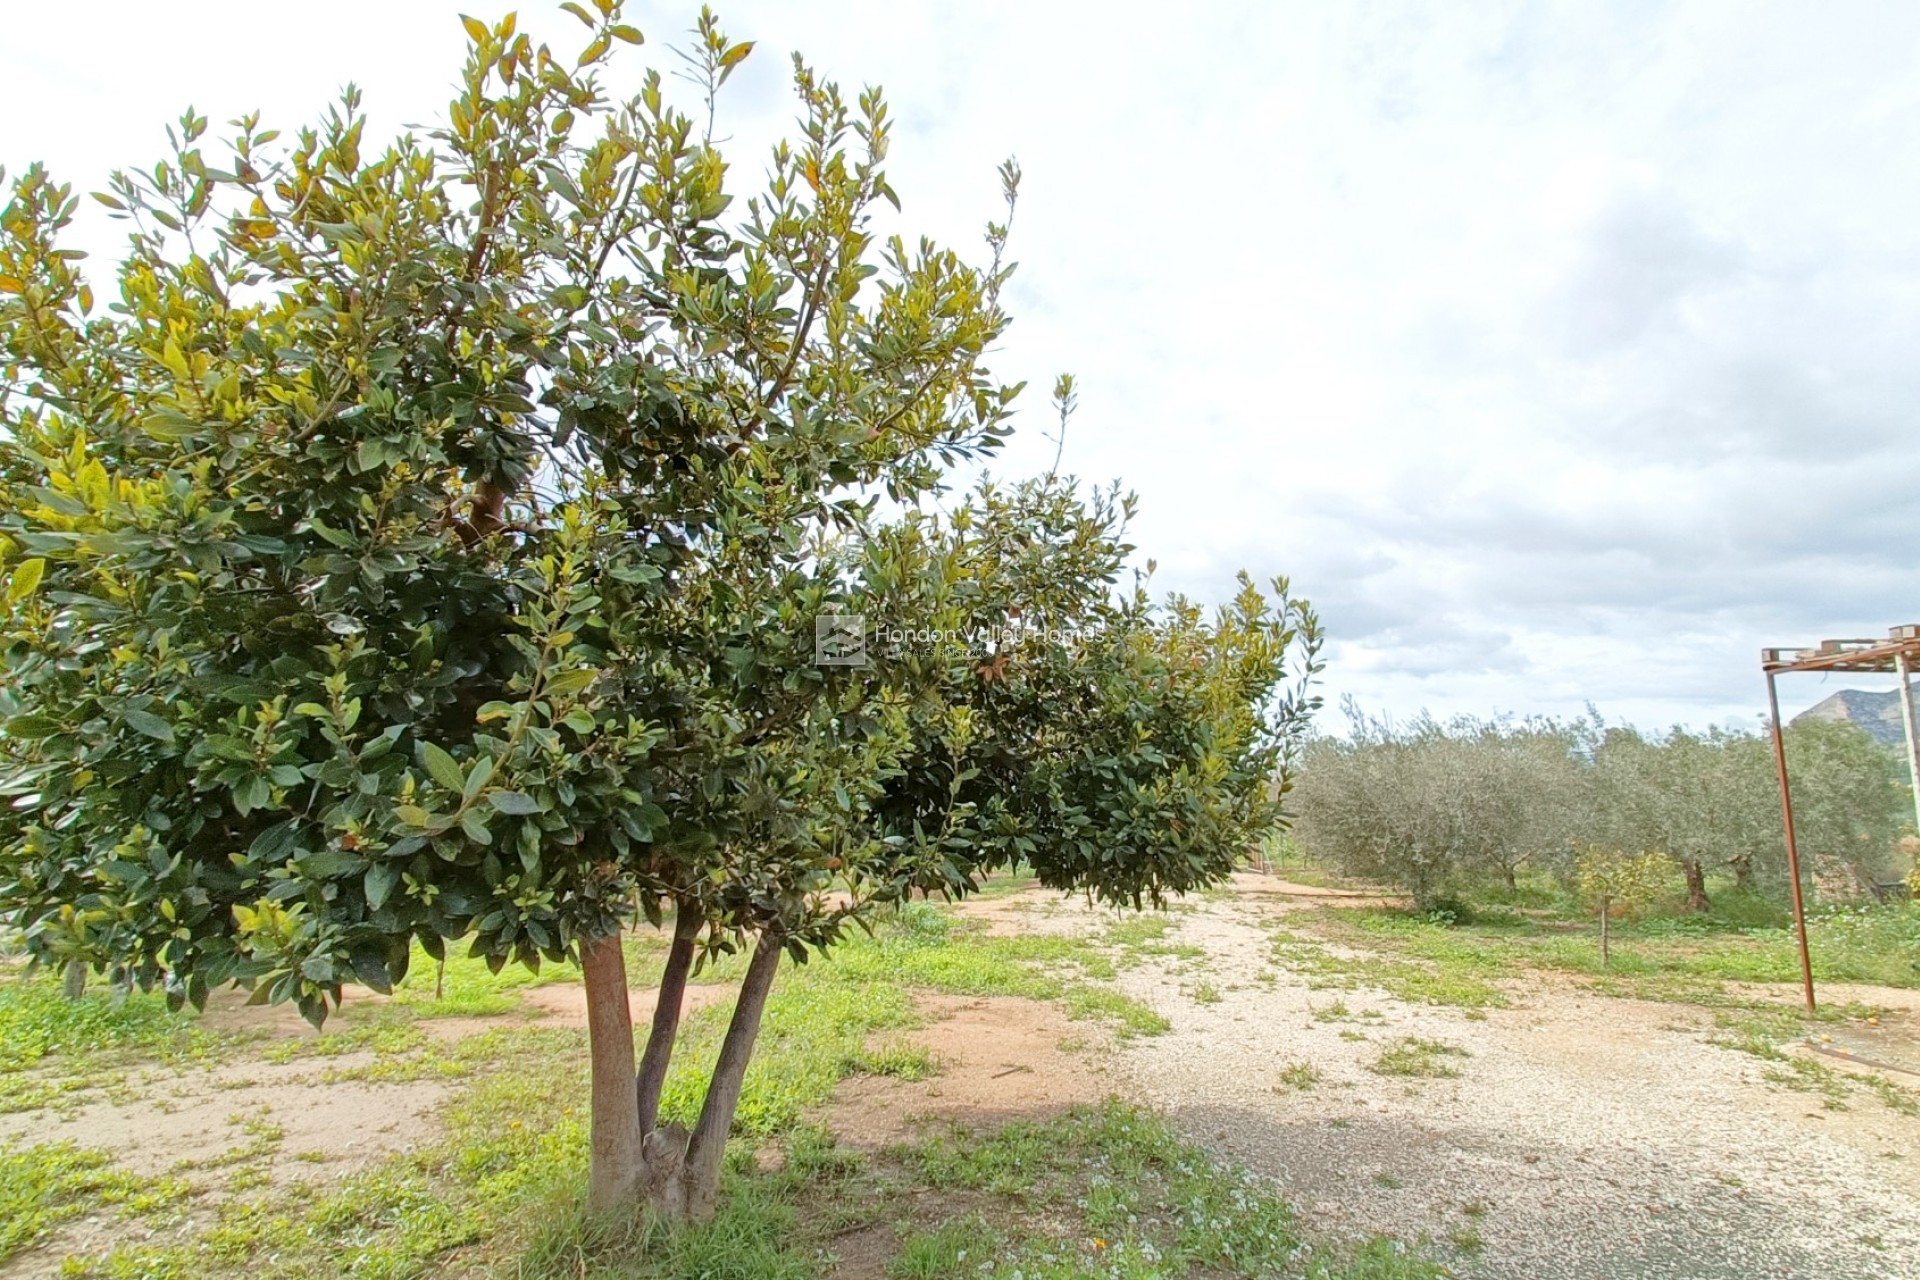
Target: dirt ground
x=1585, y=1136
x=1000, y=1058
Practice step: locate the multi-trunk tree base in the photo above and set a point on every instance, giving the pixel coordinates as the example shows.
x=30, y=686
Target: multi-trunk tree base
x=634, y=1159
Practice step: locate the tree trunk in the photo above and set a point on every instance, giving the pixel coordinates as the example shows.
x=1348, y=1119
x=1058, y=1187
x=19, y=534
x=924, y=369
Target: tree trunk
x=615, y=1159
x=1606, y=909
x=666, y=1018
x=74, y=979
x=707, y=1148
x=1696, y=885
x=1742, y=872
x=1513, y=884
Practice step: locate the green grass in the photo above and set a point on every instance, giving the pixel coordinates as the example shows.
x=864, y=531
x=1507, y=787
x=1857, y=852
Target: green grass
x=1460, y=976
x=1005, y=884
x=1142, y=935
x=466, y=988
x=752, y=1237
x=39, y=1026
x=949, y=1251
x=1422, y=959
x=924, y=946
x=1419, y=1058
x=44, y=1185
x=1807, y=1076
x=1120, y=1195
x=500, y=1191
x=814, y=1033
x=1897, y=1098
x=1297, y=1077
x=1766, y=1033
x=1127, y=1016
x=1744, y=937
x=1097, y=1193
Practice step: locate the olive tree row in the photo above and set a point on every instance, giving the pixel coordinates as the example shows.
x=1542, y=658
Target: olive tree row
x=1439, y=806
x=1432, y=805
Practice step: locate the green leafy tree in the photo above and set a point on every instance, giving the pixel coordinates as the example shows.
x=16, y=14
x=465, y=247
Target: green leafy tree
x=1610, y=879
x=425, y=546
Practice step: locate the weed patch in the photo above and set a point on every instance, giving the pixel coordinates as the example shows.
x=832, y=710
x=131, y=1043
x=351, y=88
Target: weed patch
x=1297, y=1077
x=1413, y=1056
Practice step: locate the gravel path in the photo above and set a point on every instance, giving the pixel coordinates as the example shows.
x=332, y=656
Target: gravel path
x=1585, y=1137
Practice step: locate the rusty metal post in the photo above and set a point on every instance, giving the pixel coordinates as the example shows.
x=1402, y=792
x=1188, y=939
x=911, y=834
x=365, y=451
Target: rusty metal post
x=1906, y=722
x=1793, y=848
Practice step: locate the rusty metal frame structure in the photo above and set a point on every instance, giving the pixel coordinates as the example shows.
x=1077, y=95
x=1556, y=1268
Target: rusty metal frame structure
x=1898, y=655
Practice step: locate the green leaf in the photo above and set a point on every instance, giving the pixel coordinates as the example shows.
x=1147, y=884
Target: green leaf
x=442, y=767
x=370, y=966
x=578, y=12
x=381, y=878
x=325, y=866
x=514, y=802
x=148, y=723
x=477, y=777
x=25, y=580
x=272, y=844
x=318, y=967
x=571, y=681
x=474, y=823
x=31, y=727
x=166, y=424
x=476, y=29
x=413, y=815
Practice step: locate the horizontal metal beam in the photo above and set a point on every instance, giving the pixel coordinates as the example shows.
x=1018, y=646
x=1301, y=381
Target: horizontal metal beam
x=1847, y=655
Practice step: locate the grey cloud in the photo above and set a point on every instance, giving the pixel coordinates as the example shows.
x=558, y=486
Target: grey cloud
x=1643, y=256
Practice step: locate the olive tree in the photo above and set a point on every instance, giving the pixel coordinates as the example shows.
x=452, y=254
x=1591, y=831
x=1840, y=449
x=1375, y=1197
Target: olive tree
x=425, y=544
x=1683, y=794
x=1434, y=805
x=1712, y=798
x=1850, y=797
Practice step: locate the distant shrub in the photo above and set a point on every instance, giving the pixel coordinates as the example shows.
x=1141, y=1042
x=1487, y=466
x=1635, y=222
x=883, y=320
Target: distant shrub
x=1451, y=909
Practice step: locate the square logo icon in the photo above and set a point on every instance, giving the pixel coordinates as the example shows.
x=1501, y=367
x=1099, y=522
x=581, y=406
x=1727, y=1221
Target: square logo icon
x=839, y=640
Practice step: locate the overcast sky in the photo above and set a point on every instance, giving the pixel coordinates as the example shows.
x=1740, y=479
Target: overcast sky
x=1559, y=352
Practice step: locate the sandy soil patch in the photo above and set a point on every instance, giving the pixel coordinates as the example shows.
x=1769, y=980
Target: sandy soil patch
x=999, y=1058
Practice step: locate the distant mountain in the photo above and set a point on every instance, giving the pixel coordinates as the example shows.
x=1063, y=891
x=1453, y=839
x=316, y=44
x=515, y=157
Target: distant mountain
x=1877, y=713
